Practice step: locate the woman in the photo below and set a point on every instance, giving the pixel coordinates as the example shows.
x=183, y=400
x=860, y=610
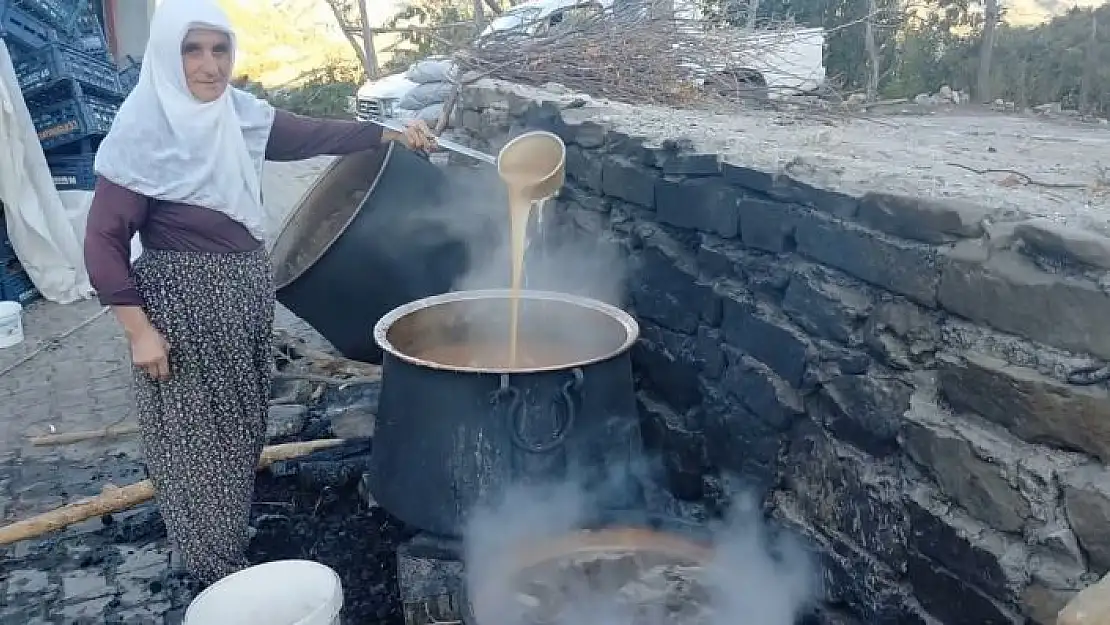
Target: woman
x=182, y=167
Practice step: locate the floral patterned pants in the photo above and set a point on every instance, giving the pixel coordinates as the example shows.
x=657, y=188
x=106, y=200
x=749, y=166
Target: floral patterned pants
x=203, y=429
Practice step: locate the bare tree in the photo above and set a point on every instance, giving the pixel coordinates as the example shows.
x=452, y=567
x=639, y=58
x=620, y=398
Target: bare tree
x=986, y=48
x=371, y=65
x=344, y=12
x=494, y=6
x=753, y=12
x=873, y=60
x=479, y=15
x=1090, y=67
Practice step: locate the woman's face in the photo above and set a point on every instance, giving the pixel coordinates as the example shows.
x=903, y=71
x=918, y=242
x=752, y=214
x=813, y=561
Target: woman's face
x=206, y=57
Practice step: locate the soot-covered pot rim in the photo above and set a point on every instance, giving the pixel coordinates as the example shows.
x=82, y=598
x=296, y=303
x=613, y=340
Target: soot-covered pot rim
x=383, y=326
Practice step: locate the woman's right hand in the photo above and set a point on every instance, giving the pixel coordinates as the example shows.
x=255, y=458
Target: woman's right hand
x=151, y=353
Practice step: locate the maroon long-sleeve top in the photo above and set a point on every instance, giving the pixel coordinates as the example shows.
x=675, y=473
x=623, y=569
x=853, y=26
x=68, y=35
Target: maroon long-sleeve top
x=117, y=213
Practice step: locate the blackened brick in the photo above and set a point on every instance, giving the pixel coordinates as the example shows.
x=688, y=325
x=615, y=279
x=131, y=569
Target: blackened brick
x=698, y=204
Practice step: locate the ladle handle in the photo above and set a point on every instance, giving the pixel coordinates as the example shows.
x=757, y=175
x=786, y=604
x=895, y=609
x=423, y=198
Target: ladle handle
x=446, y=144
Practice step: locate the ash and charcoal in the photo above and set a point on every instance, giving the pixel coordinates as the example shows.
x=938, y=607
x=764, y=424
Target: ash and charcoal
x=313, y=509
x=626, y=588
x=118, y=569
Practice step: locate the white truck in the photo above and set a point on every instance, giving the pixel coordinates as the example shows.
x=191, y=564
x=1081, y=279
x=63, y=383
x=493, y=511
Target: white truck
x=793, y=64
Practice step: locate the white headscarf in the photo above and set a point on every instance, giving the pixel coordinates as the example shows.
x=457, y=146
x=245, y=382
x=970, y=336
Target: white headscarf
x=167, y=145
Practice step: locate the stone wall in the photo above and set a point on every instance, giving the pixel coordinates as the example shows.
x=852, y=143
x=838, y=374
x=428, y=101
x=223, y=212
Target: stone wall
x=896, y=376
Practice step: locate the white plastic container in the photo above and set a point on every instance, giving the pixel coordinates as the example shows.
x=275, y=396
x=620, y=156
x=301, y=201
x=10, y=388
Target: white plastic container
x=286, y=592
x=11, y=324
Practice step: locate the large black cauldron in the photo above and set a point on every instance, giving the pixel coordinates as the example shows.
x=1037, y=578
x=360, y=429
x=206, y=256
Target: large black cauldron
x=377, y=229
x=449, y=437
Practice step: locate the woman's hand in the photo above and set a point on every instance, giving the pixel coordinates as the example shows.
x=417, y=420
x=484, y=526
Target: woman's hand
x=151, y=353
x=149, y=350
x=417, y=136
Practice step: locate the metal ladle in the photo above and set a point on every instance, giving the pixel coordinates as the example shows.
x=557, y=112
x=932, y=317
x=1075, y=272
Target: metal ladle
x=446, y=144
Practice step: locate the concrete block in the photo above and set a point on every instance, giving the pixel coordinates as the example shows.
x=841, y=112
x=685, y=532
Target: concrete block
x=865, y=410
x=704, y=204
x=902, y=267
x=841, y=489
x=1032, y=406
x=826, y=305
x=922, y=219
x=763, y=334
x=1009, y=293
x=625, y=180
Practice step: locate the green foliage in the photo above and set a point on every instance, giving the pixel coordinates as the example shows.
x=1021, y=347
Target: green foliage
x=414, y=45
x=322, y=93
x=927, y=45
x=1052, y=63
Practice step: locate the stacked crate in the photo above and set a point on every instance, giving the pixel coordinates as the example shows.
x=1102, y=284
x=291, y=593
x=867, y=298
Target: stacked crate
x=15, y=285
x=72, y=89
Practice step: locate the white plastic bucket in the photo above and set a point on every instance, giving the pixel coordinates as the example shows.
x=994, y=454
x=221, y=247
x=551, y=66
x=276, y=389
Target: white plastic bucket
x=286, y=592
x=11, y=324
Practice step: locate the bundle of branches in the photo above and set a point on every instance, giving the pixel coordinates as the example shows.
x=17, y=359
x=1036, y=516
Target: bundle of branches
x=635, y=55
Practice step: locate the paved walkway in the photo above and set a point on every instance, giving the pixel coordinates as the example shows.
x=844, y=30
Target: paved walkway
x=73, y=373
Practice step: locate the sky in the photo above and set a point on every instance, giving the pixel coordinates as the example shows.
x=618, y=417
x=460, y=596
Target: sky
x=1029, y=12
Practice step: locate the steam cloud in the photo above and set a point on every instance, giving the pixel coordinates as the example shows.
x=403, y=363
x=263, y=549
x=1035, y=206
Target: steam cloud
x=559, y=257
x=756, y=577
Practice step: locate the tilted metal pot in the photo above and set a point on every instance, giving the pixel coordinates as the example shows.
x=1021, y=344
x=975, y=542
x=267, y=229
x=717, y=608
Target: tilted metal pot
x=451, y=435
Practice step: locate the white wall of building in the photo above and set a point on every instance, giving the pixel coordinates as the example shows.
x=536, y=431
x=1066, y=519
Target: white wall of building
x=132, y=26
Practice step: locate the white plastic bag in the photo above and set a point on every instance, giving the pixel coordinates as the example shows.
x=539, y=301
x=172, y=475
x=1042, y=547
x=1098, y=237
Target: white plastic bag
x=430, y=114
x=425, y=95
x=432, y=70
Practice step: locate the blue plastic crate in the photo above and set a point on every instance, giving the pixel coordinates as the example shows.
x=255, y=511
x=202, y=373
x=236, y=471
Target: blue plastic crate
x=64, y=113
x=73, y=172
x=88, y=33
x=60, y=14
x=6, y=251
x=22, y=29
x=129, y=76
x=15, y=284
x=56, y=61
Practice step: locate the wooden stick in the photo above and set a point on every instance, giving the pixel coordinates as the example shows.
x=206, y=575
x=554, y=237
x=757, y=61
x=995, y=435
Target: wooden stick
x=323, y=379
x=67, y=438
x=115, y=499
x=448, y=108
x=323, y=359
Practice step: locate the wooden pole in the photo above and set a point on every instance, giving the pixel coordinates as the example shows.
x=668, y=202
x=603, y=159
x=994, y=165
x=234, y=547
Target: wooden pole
x=66, y=438
x=986, y=49
x=479, y=15
x=113, y=499
x=368, y=41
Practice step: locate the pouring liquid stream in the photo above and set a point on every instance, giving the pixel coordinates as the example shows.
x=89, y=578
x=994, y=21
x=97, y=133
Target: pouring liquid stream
x=520, y=212
x=531, y=168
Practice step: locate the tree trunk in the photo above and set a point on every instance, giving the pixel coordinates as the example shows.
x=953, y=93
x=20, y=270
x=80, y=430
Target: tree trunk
x=872, y=52
x=494, y=6
x=368, y=41
x=753, y=12
x=1090, y=66
x=337, y=8
x=479, y=15
x=986, y=48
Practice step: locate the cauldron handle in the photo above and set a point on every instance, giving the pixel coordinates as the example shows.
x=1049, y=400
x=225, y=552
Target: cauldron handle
x=567, y=395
